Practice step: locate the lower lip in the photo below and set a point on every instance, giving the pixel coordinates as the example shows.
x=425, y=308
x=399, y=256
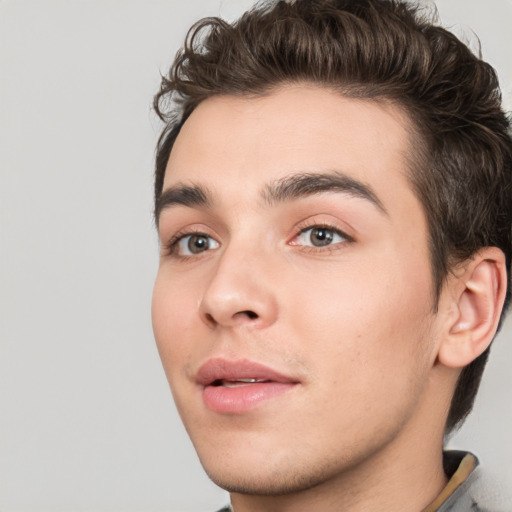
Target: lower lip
x=240, y=399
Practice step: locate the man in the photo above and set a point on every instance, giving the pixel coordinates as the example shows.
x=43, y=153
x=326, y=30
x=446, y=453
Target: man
x=332, y=198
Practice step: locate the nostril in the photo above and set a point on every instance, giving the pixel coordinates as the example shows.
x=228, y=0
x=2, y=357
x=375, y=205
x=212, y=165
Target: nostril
x=246, y=314
x=210, y=319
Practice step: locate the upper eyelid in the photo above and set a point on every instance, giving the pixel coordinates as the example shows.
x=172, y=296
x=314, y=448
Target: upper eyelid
x=311, y=223
x=179, y=235
x=326, y=226
x=191, y=229
x=346, y=238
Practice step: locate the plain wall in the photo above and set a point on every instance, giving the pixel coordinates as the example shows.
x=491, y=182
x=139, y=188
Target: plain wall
x=86, y=418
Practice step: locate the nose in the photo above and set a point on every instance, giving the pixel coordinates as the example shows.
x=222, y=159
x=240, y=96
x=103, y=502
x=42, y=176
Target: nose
x=240, y=292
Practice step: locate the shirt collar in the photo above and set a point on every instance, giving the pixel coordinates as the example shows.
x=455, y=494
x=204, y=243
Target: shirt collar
x=458, y=466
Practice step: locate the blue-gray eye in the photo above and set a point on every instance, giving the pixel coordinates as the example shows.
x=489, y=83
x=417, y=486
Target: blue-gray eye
x=195, y=243
x=320, y=236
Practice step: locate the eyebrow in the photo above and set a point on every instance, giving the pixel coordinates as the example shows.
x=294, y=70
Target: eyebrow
x=185, y=195
x=286, y=189
x=308, y=184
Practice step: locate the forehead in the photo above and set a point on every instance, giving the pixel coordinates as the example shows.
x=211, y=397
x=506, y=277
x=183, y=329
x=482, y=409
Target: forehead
x=229, y=142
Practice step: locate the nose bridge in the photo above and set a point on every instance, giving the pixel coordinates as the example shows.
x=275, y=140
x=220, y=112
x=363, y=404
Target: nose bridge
x=240, y=290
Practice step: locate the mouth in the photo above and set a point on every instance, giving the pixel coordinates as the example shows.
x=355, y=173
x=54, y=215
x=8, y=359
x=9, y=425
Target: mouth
x=236, y=387
x=236, y=383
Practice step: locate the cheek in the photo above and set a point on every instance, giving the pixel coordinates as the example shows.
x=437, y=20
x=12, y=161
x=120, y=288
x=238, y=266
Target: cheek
x=368, y=351
x=365, y=326
x=174, y=315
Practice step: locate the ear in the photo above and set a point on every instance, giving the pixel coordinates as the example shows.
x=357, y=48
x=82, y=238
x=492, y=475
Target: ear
x=476, y=300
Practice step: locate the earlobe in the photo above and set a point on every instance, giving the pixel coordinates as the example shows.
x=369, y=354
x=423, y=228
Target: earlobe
x=478, y=302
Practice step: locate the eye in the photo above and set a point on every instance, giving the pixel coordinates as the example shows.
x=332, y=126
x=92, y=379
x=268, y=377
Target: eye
x=320, y=236
x=194, y=243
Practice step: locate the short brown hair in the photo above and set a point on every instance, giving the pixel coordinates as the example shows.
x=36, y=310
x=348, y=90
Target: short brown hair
x=461, y=169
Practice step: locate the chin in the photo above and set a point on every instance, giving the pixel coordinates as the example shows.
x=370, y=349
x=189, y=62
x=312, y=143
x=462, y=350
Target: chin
x=268, y=481
x=267, y=466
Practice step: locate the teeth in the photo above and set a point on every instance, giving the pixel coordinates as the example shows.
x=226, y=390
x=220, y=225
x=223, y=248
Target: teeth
x=240, y=382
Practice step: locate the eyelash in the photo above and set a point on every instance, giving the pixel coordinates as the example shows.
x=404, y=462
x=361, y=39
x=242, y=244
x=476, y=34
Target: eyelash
x=171, y=247
x=347, y=239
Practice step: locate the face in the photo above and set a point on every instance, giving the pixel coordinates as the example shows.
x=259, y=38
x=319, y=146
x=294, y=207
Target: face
x=292, y=306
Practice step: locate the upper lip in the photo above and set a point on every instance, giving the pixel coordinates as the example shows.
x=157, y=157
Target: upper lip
x=222, y=369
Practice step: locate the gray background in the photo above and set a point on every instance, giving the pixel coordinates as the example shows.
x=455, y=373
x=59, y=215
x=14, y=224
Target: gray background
x=86, y=419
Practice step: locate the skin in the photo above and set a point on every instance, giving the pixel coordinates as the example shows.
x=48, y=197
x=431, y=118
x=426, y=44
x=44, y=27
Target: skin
x=352, y=322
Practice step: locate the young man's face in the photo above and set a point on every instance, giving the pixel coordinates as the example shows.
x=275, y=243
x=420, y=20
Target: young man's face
x=293, y=303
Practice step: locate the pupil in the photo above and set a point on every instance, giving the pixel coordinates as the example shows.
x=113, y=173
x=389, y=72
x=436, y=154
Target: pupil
x=197, y=243
x=321, y=236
